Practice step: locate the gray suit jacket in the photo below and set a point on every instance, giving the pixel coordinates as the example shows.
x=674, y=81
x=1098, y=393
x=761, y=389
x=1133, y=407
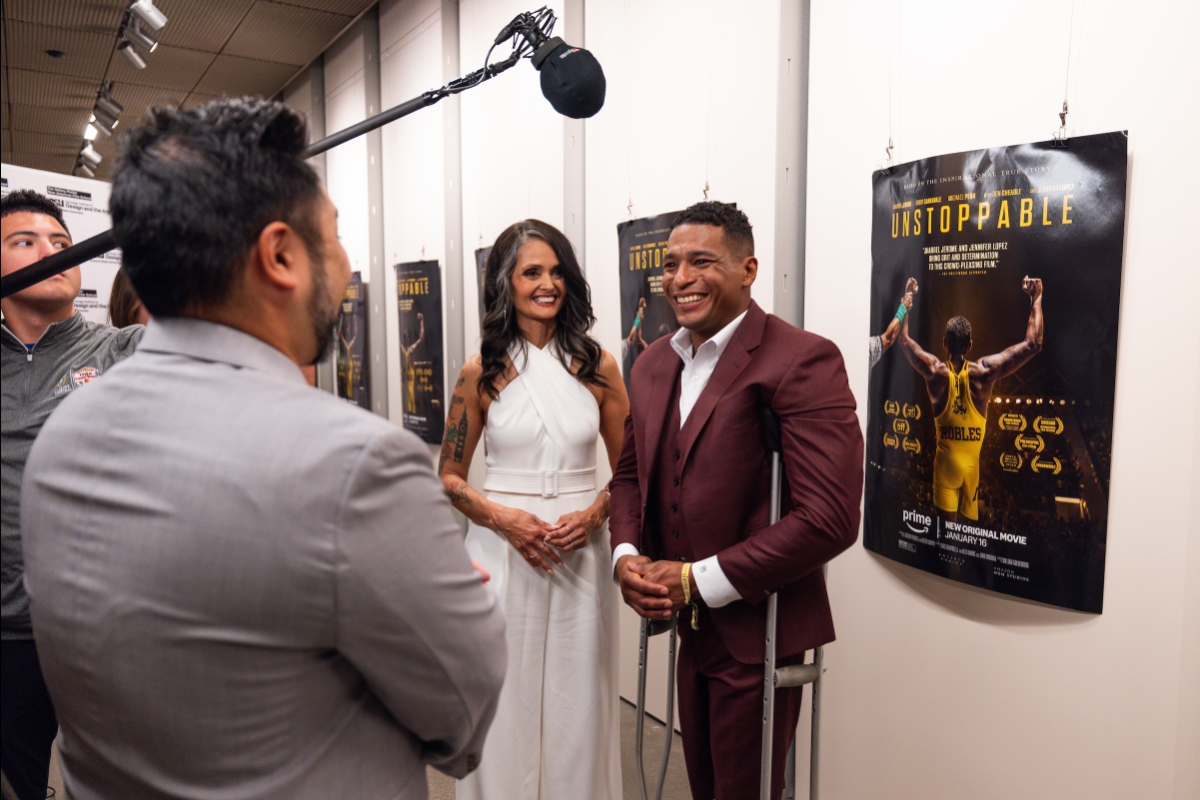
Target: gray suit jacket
x=242, y=587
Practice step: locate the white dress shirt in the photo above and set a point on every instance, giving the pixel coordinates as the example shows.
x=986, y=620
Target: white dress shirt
x=714, y=586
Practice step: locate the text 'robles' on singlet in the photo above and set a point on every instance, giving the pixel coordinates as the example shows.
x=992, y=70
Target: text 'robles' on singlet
x=960, y=429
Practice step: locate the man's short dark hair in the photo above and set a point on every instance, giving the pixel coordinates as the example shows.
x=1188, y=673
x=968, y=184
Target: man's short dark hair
x=29, y=200
x=192, y=191
x=739, y=234
x=958, y=335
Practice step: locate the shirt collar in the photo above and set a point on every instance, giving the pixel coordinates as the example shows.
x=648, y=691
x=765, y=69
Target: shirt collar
x=54, y=330
x=682, y=340
x=211, y=341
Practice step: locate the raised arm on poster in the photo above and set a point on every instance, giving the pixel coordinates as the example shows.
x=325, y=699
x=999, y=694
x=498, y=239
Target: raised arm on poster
x=995, y=471
x=352, y=363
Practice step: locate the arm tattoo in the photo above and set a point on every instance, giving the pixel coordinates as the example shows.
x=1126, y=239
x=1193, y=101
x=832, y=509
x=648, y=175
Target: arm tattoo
x=458, y=495
x=461, y=436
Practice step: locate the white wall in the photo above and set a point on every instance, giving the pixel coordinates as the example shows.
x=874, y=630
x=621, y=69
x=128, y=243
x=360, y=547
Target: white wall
x=345, y=165
x=937, y=690
x=691, y=98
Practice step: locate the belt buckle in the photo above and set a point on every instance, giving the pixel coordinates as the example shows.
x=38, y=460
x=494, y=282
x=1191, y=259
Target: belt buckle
x=550, y=483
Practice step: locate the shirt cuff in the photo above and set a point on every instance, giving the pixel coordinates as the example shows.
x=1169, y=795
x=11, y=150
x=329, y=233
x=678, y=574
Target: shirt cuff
x=715, y=588
x=623, y=549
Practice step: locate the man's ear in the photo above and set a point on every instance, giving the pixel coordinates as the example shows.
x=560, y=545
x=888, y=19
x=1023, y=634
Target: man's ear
x=749, y=270
x=277, y=256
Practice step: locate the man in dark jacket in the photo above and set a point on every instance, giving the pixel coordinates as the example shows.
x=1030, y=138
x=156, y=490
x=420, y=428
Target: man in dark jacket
x=48, y=351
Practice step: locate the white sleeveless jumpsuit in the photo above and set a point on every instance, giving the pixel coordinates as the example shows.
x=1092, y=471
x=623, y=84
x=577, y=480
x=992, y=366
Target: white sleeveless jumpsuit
x=555, y=735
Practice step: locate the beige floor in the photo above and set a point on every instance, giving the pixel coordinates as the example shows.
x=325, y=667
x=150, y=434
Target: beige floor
x=676, y=788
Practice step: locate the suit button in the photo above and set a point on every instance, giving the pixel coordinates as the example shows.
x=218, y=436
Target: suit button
x=676, y=454
x=675, y=534
x=680, y=558
x=676, y=481
x=674, y=507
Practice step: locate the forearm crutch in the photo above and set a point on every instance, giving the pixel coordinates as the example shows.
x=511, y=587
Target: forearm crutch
x=653, y=628
x=784, y=677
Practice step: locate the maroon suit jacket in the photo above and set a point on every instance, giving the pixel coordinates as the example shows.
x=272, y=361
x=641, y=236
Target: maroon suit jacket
x=727, y=474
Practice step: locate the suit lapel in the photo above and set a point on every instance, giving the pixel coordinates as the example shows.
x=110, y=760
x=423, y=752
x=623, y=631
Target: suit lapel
x=735, y=359
x=666, y=372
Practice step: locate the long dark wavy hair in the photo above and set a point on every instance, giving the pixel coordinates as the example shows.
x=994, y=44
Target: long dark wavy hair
x=575, y=317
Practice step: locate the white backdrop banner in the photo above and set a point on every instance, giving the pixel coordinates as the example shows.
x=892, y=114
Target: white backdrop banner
x=84, y=205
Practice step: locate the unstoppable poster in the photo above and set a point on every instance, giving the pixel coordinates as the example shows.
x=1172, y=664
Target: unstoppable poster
x=352, y=382
x=645, y=313
x=422, y=363
x=990, y=408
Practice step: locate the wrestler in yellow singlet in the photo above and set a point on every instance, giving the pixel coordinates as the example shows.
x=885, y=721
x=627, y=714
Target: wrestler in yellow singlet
x=960, y=429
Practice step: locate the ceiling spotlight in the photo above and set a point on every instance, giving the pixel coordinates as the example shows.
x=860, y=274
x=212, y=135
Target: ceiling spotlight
x=85, y=169
x=111, y=106
x=96, y=129
x=147, y=13
x=90, y=157
x=145, y=38
x=127, y=49
x=102, y=117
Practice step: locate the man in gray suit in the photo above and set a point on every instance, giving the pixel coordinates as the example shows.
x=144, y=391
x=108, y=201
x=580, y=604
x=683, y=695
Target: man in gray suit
x=242, y=587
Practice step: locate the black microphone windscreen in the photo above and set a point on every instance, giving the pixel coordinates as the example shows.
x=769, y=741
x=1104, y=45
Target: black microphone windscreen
x=572, y=79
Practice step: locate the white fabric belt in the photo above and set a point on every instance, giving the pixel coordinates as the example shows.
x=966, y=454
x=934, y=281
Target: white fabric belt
x=547, y=483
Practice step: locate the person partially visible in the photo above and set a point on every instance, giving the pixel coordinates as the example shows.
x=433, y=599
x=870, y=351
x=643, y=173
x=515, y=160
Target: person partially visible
x=241, y=587
x=47, y=352
x=124, y=307
x=878, y=345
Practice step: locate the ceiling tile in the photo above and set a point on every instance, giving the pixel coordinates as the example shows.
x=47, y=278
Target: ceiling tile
x=290, y=34
x=168, y=68
x=50, y=90
x=233, y=76
x=5, y=140
x=85, y=54
x=37, y=142
x=197, y=99
x=6, y=156
x=203, y=25
x=96, y=16
x=49, y=162
x=64, y=122
x=348, y=8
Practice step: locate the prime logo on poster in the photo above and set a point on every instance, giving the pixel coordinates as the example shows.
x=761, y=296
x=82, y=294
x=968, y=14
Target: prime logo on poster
x=995, y=297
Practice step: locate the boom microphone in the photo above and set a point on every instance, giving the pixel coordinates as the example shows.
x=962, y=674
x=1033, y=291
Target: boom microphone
x=572, y=79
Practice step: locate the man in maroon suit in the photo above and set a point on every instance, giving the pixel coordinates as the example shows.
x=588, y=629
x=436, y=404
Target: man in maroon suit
x=691, y=496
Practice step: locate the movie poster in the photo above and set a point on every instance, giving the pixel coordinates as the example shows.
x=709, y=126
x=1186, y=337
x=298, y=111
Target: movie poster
x=352, y=383
x=481, y=257
x=422, y=361
x=645, y=313
x=990, y=410
x=84, y=204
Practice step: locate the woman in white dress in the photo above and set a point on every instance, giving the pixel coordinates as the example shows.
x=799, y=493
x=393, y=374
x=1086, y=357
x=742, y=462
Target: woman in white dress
x=539, y=393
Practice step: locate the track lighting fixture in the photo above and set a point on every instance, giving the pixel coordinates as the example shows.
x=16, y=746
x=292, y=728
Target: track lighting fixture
x=101, y=117
x=142, y=37
x=96, y=130
x=130, y=51
x=110, y=106
x=85, y=170
x=89, y=157
x=147, y=13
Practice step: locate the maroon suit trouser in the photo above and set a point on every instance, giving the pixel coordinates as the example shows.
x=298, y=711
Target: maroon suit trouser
x=720, y=713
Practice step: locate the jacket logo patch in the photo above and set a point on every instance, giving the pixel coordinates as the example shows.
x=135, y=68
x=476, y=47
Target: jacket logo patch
x=84, y=375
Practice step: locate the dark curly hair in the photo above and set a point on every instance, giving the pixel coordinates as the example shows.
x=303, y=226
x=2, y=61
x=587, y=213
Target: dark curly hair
x=958, y=335
x=739, y=234
x=575, y=318
x=29, y=200
x=192, y=191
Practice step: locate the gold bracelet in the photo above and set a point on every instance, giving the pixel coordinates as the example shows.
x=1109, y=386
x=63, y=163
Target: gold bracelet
x=687, y=596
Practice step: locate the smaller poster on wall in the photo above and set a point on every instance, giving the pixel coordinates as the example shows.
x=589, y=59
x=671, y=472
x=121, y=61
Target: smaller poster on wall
x=481, y=257
x=352, y=384
x=422, y=362
x=645, y=313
